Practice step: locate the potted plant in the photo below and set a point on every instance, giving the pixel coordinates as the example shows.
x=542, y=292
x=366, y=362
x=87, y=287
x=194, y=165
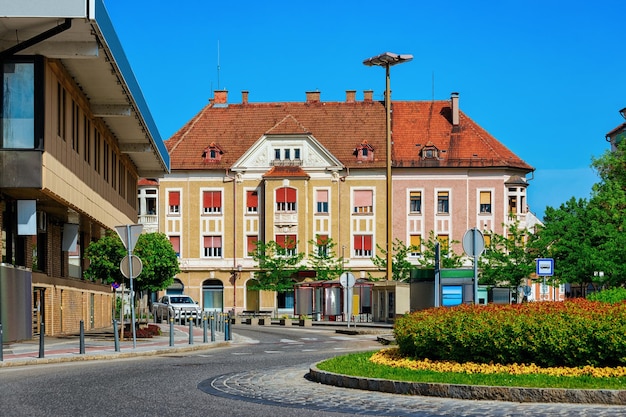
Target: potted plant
x=305, y=321
x=285, y=320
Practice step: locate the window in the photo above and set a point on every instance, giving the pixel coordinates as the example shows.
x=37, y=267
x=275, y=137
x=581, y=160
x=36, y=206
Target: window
x=20, y=97
x=212, y=246
x=296, y=154
x=60, y=111
x=251, y=243
x=174, y=202
x=322, y=245
x=277, y=154
x=87, y=139
x=364, y=152
x=512, y=204
x=151, y=202
x=430, y=152
x=287, y=153
x=113, y=169
x=287, y=242
x=105, y=163
x=444, y=242
x=175, y=241
x=415, y=245
x=212, y=153
x=96, y=151
x=321, y=203
x=443, y=202
x=485, y=202
x=75, y=126
x=415, y=202
x=252, y=201
x=487, y=241
x=211, y=202
x=363, y=201
x=363, y=246
x=285, y=200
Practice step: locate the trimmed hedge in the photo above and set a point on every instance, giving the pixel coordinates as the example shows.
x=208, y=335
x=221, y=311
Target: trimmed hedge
x=571, y=333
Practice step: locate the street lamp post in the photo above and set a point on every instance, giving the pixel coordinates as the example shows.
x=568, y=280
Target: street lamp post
x=387, y=60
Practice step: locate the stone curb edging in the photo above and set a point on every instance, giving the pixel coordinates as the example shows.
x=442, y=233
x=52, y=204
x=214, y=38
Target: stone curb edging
x=114, y=355
x=471, y=392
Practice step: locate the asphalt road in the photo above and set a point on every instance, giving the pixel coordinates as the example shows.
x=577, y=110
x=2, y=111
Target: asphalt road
x=168, y=385
x=261, y=375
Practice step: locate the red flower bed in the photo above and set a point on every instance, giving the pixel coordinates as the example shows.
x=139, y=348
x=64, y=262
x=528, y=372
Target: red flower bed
x=571, y=333
x=144, y=332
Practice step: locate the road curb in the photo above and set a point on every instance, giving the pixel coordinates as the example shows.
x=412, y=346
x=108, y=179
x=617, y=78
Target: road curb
x=471, y=392
x=114, y=355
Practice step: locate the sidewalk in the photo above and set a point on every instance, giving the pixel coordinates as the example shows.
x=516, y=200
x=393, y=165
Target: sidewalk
x=101, y=345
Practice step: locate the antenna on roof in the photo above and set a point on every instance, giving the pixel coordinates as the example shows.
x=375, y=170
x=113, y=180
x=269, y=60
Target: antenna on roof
x=218, y=64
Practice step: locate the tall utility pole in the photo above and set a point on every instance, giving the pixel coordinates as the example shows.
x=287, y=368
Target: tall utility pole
x=387, y=60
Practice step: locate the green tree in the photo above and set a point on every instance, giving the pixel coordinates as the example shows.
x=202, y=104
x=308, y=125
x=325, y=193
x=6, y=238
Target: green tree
x=508, y=259
x=160, y=263
x=323, y=259
x=104, y=257
x=566, y=236
x=448, y=258
x=608, y=217
x=157, y=255
x=400, y=265
x=277, y=265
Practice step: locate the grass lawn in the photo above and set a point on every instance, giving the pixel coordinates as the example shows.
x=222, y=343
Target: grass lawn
x=358, y=364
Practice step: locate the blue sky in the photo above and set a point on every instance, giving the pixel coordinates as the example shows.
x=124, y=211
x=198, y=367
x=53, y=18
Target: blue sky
x=546, y=78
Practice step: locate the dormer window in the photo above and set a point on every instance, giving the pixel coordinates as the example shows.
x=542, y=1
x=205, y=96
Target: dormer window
x=212, y=153
x=364, y=152
x=430, y=152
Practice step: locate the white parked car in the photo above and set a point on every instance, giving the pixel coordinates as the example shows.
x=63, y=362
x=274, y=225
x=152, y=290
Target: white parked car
x=177, y=307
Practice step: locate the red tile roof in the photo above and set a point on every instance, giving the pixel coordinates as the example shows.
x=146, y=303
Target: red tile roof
x=341, y=127
x=286, y=172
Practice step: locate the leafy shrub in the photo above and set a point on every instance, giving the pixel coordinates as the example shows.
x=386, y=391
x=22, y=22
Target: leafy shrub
x=570, y=333
x=613, y=295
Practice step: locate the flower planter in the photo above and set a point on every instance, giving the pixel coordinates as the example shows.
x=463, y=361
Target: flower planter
x=285, y=322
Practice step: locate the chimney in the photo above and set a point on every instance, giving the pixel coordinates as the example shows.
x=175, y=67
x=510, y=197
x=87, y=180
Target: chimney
x=454, y=98
x=350, y=96
x=367, y=95
x=312, y=96
x=221, y=96
x=244, y=97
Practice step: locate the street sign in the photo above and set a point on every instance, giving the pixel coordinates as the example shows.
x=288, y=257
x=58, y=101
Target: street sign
x=347, y=280
x=473, y=242
x=129, y=235
x=125, y=266
x=545, y=267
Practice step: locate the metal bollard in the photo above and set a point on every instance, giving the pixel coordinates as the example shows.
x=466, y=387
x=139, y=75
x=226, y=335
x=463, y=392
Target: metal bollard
x=171, y=332
x=1, y=348
x=190, y=332
x=116, y=336
x=205, y=337
x=42, y=332
x=212, y=329
x=82, y=338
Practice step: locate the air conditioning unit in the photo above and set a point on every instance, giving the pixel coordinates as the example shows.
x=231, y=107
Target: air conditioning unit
x=42, y=221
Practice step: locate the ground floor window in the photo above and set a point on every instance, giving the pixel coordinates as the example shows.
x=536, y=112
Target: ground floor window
x=285, y=299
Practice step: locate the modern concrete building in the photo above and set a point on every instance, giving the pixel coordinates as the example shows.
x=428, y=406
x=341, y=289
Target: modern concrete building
x=76, y=137
x=299, y=172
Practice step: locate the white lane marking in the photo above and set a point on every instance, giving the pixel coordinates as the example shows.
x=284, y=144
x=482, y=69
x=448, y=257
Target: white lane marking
x=273, y=351
x=242, y=353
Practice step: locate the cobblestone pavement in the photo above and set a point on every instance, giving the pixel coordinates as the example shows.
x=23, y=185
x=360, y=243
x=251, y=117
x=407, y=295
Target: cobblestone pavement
x=289, y=387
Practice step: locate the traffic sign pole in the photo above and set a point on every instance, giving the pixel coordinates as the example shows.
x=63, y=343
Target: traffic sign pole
x=129, y=234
